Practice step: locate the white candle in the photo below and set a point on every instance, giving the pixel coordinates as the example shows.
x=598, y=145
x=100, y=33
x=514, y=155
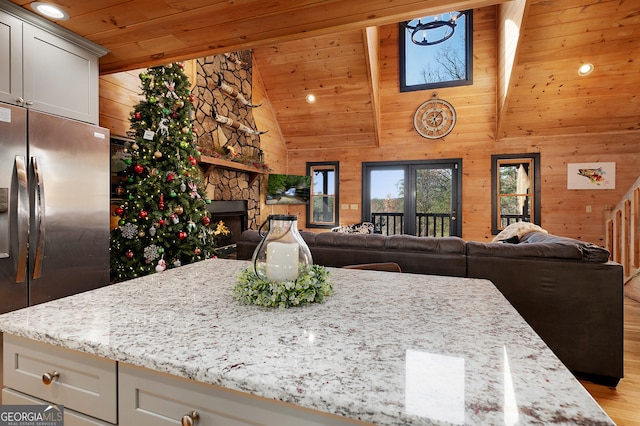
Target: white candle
x=282, y=261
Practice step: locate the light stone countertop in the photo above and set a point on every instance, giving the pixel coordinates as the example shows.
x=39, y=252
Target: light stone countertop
x=386, y=348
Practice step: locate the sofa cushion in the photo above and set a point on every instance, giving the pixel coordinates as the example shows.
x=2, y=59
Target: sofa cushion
x=350, y=240
x=426, y=244
x=589, y=252
x=542, y=250
x=544, y=246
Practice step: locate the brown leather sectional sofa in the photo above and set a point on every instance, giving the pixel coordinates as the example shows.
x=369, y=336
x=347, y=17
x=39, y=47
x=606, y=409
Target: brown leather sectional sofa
x=567, y=290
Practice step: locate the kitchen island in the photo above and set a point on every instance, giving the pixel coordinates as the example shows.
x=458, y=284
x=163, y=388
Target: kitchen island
x=385, y=348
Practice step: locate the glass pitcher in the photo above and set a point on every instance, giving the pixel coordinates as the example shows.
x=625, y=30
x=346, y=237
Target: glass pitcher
x=282, y=255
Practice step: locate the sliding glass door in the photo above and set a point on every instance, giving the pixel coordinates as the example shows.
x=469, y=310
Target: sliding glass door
x=417, y=198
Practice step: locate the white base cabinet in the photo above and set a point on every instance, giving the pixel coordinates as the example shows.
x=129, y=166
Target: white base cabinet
x=98, y=391
x=71, y=418
x=84, y=383
x=148, y=397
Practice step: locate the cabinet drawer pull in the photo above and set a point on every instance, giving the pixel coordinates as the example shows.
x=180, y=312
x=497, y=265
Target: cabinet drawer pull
x=190, y=419
x=47, y=378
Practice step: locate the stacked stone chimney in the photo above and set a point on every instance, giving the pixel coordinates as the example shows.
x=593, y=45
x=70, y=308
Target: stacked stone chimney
x=210, y=100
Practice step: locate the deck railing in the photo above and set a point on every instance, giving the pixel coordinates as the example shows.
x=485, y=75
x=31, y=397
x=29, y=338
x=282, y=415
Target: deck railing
x=427, y=224
x=623, y=232
x=388, y=223
x=508, y=219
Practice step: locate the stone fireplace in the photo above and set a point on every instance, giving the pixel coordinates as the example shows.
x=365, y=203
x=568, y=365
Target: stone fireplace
x=232, y=182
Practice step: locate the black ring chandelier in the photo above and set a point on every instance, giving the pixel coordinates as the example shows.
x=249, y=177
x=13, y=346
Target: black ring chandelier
x=424, y=27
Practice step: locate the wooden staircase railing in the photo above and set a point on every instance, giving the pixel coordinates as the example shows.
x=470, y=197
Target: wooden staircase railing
x=623, y=231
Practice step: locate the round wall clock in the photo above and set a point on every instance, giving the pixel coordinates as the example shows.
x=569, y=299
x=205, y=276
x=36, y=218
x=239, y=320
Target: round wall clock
x=435, y=118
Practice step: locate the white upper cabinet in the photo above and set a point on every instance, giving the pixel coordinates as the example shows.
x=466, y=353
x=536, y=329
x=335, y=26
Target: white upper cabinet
x=59, y=77
x=42, y=70
x=10, y=58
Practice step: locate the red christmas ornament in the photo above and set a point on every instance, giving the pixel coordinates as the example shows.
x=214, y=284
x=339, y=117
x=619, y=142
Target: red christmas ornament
x=138, y=168
x=161, y=202
x=196, y=250
x=143, y=214
x=129, y=254
x=170, y=177
x=192, y=160
x=206, y=221
x=118, y=211
x=191, y=98
x=161, y=222
x=174, y=115
x=182, y=235
x=138, y=116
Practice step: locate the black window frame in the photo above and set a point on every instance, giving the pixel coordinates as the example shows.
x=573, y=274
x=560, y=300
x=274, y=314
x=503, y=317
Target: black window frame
x=536, y=183
x=408, y=167
x=309, y=218
x=451, y=83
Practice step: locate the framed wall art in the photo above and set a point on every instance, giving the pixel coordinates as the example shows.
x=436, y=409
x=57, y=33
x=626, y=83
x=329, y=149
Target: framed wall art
x=591, y=175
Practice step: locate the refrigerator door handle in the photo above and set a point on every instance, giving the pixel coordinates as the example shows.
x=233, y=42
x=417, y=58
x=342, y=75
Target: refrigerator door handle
x=4, y=208
x=22, y=219
x=39, y=212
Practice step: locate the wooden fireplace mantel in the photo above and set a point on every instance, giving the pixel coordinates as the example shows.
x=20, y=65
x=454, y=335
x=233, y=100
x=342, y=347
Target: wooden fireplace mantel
x=213, y=162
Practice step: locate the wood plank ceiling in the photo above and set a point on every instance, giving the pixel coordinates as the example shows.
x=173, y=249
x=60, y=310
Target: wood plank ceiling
x=548, y=98
x=319, y=45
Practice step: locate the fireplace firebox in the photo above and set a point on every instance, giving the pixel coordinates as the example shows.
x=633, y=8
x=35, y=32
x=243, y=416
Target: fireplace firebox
x=234, y=215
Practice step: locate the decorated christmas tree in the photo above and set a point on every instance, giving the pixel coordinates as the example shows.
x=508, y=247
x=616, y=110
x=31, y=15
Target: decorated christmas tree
x=164, y=221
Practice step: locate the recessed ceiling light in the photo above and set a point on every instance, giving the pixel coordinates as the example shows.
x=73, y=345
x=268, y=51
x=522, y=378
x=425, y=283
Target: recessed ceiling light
x=311, y=98
x=49, y=10
x=585, y=69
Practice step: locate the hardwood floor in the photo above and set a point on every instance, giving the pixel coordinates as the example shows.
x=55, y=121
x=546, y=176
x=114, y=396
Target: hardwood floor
x=622, y=403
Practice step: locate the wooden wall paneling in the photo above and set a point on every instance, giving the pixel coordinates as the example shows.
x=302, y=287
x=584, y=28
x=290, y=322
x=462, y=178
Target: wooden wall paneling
x=636, y=228
x=334, y=69
x=610, y=237
x=626, y=238
x=118, y=94
x=272, y=143
x=563, y=211
x=627, y=211
x=617, y=257
x=191, y=70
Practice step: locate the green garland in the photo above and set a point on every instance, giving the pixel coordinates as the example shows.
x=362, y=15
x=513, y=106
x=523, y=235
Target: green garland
x=312, y=286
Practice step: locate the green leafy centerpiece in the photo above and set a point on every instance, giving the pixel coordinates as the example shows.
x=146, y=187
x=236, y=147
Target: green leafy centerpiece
x=311, y=286
x=283, y=273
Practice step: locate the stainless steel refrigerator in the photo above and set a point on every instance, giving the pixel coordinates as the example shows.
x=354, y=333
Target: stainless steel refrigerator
x=54, y=207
